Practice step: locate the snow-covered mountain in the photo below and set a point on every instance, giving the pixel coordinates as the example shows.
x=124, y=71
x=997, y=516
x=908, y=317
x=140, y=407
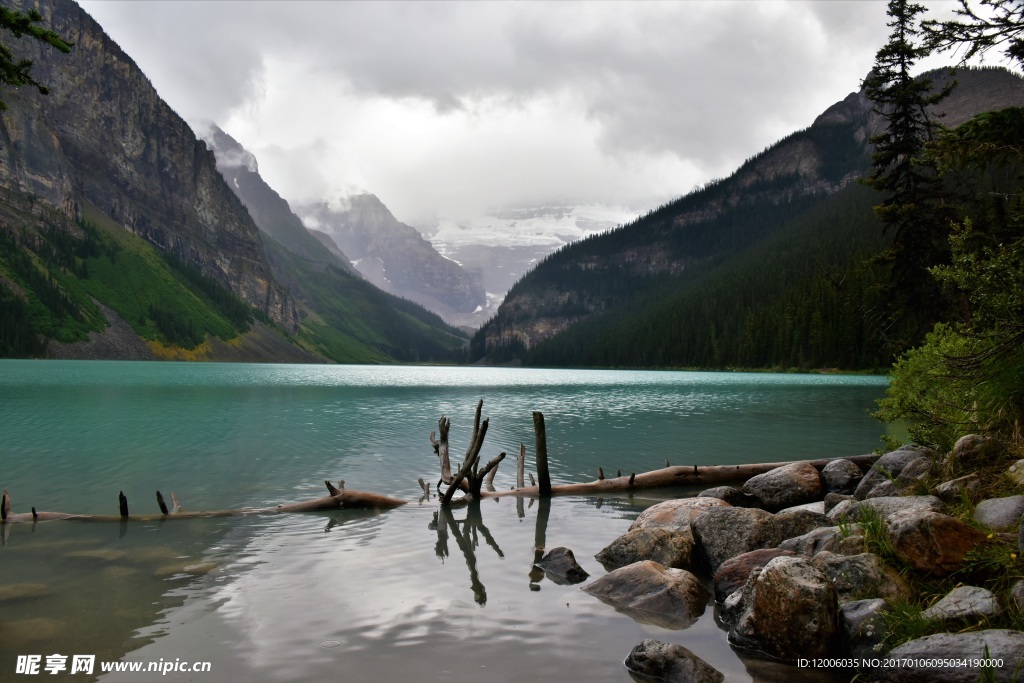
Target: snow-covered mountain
x=504, y=244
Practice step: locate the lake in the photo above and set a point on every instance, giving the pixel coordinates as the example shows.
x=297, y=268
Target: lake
x=406, y=594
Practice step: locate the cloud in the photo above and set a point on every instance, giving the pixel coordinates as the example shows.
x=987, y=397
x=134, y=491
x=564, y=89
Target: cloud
x=442, y=108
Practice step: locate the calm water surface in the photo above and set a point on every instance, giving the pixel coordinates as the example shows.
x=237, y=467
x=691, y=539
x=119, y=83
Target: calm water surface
x=405, y=595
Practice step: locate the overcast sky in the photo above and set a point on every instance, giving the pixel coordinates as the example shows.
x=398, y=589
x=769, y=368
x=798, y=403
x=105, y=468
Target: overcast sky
x=448, y=108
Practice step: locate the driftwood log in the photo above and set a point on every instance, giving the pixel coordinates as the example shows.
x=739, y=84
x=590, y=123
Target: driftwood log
x=338, y=499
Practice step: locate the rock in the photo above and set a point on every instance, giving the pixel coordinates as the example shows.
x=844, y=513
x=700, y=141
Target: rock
x=675, y=514
x=1016, y=472
x=14, y=592
x=1017, y=595
x=860, y=577
x=833, y=499
x=916, y=470
x=651, y=593
x=974, y=449
x=883, y=489
x=1000, y=513
x=789, y=611
x=818, y=507
x=827, y=538
x=788, y=524
x=952, y=491
x=931, y=541
x=964, y=603
x=889, y=467
x=994, y=644
x=560, y=566
x=841, y=476
x=671, y=663
x=1020, y=536
x=722, y=533
x=731, y=495
x=734, y=572
x=669, y=547
x=792, y=484
x=862, y=627
x=885, y=506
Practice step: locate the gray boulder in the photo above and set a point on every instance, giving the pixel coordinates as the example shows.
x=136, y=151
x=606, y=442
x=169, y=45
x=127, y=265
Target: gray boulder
x=788, y=611
x=1017, y=595
x=727, y=532
x=817, y=507
x=964, y=603
x=1016, y=472
x=560, y=566
x=783, y=487
x=722, y=533
x=885, y=506
x=828, y=538
x=916, y=470
x=666, y=546
x=883, y=489
x=834, y=499
x=654, y=594
x=973, y=450
x=860, y=577
x=951, y=491
x=731, y=495
x=1000, y=513
x=669, y=662
x=887, y=468
x=999, y=644
x=862, y=627
x=675, y=514
x=841, y=476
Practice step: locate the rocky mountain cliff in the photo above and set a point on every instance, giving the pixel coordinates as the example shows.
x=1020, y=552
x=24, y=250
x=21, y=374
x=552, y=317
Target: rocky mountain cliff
x=103, y=138
x=117, y=227
x=651, y=257
x=396, y=257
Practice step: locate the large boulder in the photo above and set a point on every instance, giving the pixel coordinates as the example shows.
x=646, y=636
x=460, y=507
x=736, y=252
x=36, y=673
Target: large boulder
x=727, y=532
x=863, y=576
x=973, y=450
x=1017, y=595
x=731, y=495
x=675, y=514
x=841, y=540
x=654, y=594
x=862, y=627
x=1000, y=513
x=734, y=572
x=788, y=611
x=918, y=658
x=671, y=663
x=560, y=566
x=722, y=533
x=1016, y=472
x=841, y=476
x=931, y=541
x=888, y=468
x=783, y=487
x=952, y=491
x=669, y=547
x=885, y=507
x=964, y=603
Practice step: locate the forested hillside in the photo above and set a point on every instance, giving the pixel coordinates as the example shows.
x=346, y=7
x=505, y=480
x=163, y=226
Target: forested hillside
x=767, y=268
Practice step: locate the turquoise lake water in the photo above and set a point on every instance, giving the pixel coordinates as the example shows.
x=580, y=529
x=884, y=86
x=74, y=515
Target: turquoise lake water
x=355, y=596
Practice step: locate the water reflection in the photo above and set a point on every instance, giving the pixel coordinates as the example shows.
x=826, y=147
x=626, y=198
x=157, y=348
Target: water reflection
x=467, y=533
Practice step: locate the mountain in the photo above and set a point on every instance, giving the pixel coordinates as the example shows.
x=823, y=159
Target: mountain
x=396, y=257
x=503, y=245
x=119, y=237
x=711, y=279
x=343, y=316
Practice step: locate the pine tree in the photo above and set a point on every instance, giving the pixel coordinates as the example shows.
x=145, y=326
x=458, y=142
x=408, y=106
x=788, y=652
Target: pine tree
x=913, y=210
